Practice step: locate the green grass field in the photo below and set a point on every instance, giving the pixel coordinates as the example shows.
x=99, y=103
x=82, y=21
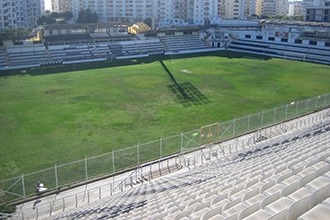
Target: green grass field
x=62, y=114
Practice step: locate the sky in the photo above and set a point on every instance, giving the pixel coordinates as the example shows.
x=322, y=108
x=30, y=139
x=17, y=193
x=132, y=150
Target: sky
x=48, y=4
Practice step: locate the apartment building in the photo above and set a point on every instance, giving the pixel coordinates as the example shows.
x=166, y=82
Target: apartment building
x=318, y=13
x=162, y=12
x=275, y=7
x=19, y=13
x=61, y=5
x=295, y=8
x=231, y=9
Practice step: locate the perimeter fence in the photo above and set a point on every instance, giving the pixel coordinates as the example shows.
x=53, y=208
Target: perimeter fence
x=91, y=168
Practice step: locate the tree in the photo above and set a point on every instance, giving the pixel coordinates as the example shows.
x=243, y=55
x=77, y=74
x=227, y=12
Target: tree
x=67, y=15
x=264, y=17
x=54, y=17
x=46, y=19
x=87, y=16
x=14, y=34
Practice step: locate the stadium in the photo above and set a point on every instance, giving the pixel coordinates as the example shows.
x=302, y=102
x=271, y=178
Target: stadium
x=268, y=165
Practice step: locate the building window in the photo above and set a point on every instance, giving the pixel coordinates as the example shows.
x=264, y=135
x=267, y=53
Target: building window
x=271, y=38
x=298, y=41
x=259, y=37
x=247, y=36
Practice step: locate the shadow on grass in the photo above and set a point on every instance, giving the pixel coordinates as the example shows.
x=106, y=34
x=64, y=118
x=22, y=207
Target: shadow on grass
x=124, y=62
x=186, y=93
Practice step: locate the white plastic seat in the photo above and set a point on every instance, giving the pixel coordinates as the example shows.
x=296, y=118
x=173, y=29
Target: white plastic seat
x=231, y=204
x=321, y=189
x=260, y=214
x=233, y=211
x=239, y=194
x=255, y=199
x=219, y=198
x=293, y=162
x=183, y=214
x=210, y=196
x=320, y=194
x=321, y=168
x=318, y=183
x=213, y=214
x=311, y=161
x=279, y=207
x=300, y=194
x=174, y=209
x=327, y=174
x=249, y=210
x=266, y=175
x=159, y=216
x=200, y=210
x=274, y=189
x=299, y=207
x=284, y=175
x=269, y=199
x=235, y=190
x=250, y=194
x=319, y=212
x=251, y=182
x=326, y=202
x=267, y=185
x=306, y=171
x=289, y=189
x=306, y=179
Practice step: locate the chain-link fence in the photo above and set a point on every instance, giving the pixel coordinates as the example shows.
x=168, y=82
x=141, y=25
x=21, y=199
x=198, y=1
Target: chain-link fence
x=110, y=163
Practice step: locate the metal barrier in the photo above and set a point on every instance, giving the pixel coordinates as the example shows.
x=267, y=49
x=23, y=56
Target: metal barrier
x=111, y=163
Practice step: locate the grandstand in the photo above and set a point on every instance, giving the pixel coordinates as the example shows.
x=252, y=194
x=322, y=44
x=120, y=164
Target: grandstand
x=304, y=50
x=285, y=175
x=177, y=43
x=98, y=42
x=3, y=61
x=28, y=56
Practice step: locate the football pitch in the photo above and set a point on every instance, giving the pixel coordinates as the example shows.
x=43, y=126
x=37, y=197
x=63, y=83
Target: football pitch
x=55, y=115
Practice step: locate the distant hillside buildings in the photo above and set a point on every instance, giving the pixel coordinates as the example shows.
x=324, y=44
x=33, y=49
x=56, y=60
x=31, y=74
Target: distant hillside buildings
x=183, y=12
x=24, y=13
